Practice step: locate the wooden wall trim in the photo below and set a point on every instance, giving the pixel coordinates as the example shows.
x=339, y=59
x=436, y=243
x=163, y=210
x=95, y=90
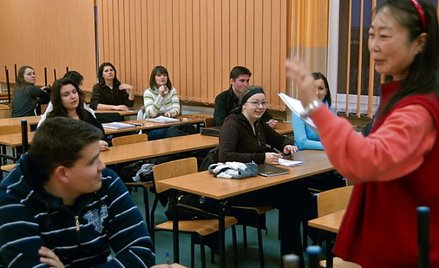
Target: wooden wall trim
x=198, y=41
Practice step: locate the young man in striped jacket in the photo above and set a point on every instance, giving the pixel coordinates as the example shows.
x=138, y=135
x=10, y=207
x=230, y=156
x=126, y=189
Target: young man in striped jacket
x=61, y=207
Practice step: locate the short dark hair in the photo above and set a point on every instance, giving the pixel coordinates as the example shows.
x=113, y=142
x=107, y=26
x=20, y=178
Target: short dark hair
x=157, y=71
x=75, y=77
x=327, y=98
x=239, y=70
x=59, y=141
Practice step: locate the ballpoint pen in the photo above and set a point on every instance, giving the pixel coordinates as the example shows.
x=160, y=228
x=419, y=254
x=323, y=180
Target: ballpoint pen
x=279, y=152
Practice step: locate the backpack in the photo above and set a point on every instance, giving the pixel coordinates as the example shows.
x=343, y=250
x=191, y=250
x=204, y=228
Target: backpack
x=211, y=158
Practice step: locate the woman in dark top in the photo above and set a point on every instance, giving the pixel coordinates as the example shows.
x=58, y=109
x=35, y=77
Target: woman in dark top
x=68, y=100
x=244, y=137
x=109, y=93
x=26, y=95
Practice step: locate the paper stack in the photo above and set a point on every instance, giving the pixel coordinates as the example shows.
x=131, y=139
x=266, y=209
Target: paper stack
x=117, y=125
x=163, y=119
x=296, y=107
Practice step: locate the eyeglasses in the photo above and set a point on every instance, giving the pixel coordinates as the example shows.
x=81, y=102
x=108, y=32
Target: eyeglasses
x=257, y=103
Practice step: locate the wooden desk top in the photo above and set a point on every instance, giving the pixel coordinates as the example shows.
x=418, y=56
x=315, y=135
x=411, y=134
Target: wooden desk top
x=151, y=149
x=188, y=118
x=14, y=140
x=203, y=183
x=32, y=120
x=284, y=128
x=156, y=148
x=131, y=111
x=330, y=222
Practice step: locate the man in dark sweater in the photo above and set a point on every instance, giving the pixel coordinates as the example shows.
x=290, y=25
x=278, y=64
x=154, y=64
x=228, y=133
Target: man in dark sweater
x=61, y=207
x=228, y=100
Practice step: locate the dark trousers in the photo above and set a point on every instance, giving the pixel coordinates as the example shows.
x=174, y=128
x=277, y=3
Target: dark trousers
x=292, y=200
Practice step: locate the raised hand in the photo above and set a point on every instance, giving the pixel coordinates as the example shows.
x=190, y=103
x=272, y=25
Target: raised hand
x=298, y=72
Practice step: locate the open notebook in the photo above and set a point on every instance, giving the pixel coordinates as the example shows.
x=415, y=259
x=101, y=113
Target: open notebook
x=163, y=119
x=289, y=163
x=117, y=125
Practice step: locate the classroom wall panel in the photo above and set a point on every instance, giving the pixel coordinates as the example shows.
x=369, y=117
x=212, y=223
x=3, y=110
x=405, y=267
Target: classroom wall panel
x=309, y=38
x=198, y=41
x=48, y=33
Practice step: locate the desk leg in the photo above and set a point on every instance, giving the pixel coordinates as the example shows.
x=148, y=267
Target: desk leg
x=173, y=203
x=221, y=225
x=146, y=203
x=329, y=256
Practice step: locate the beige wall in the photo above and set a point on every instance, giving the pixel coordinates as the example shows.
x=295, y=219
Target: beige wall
x=199, y=41
x=309, y=24
x=48, y=33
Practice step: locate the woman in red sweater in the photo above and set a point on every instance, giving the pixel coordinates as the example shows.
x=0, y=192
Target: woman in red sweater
x=395, y=166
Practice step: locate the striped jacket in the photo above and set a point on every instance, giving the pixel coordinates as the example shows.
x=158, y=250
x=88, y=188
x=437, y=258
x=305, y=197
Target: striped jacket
x=156, y=105
x=82, y=235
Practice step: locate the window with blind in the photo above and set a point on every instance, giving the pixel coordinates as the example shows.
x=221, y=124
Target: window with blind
x=358, y=83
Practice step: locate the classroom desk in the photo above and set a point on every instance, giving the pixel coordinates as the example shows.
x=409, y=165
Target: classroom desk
x=14, y=140
x=205, y=184
x=32, y=120
x=156, y=148
x=131, y=111
x=147, y=125
x=284, y=128
x=330, y=222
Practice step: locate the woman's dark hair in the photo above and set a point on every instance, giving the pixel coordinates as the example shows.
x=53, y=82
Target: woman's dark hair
x=250, y=91
x=101, y=79
x=75, y=76
x=55, y=98
x=157, y=71
x=422, y=76
x=327, y=98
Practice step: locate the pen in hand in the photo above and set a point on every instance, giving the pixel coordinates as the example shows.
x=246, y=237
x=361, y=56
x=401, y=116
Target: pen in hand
x=279, y=152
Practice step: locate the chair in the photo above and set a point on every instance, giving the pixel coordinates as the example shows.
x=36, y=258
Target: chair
x=209, y=122
x=329, y=202
x=128, y=139
x=257, y=212
x=198, y=229
x=24, y=127
x=333, y=200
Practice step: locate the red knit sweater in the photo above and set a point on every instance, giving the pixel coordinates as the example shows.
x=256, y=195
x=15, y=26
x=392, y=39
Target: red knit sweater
x=380, y=224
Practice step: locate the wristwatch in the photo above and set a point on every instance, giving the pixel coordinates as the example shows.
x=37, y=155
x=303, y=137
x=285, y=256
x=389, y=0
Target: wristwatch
x=312, y=106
